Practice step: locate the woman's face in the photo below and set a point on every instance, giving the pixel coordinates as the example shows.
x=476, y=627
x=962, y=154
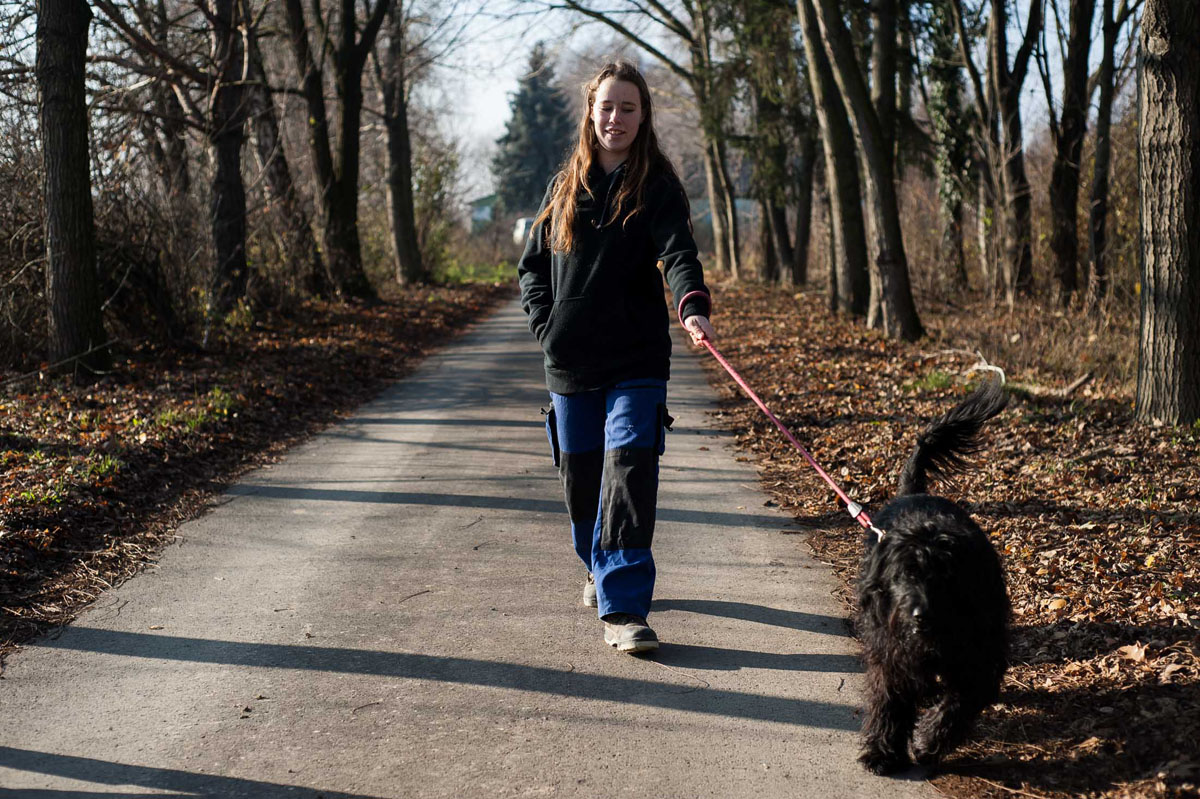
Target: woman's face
x=616, y=115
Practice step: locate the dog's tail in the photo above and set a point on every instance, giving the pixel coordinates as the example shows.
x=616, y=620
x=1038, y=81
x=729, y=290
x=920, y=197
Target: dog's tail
x=942, y=449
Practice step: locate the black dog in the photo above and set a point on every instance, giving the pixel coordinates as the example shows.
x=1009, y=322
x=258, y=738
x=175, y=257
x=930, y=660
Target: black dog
x=933, y=608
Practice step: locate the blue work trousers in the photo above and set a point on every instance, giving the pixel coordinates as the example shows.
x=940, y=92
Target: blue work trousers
x=606, y=445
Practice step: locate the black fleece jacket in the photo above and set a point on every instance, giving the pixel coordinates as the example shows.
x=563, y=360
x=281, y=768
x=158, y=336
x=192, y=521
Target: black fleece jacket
x=598, y=310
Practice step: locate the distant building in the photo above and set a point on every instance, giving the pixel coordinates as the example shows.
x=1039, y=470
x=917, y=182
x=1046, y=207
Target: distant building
x=482, y=211
x=521, y=230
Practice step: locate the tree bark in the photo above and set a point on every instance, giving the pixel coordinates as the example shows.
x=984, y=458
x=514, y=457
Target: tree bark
x=76, y=331
x=806, y=161
x=336, y=169
x=1068, y=147
x=850, y=291
x=294, y=232
x=898, y=313
x=725, y=188
x=951, y=144
x=1097, y=284
x=713, y=110
x=1018, y=217
x=226, y=135
x=401, y=208
x=770, y=168
x=1168, y=386
x=769, y=271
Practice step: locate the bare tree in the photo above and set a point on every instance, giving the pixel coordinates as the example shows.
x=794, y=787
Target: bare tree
x=1106, y=81
x=73, y=302
x=1168, y=386
x=394, y=70
x=951, y=139
x=1000, y=138
x=227, y=134
x=211, y=97
x=1007, y=83
x=293, y=231
x=342, y=47
x=1067, y=129
x=873, y=113
x=849, y=279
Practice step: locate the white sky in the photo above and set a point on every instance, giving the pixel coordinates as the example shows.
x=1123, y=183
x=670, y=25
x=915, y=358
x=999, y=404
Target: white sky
x=483, y=73
x=481, y=77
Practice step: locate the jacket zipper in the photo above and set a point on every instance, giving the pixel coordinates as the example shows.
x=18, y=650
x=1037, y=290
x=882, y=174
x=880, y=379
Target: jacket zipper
x=607, y=192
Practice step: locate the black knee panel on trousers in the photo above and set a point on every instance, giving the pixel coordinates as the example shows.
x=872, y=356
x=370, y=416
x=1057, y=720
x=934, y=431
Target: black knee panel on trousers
x=580, y=473
x=630, y=494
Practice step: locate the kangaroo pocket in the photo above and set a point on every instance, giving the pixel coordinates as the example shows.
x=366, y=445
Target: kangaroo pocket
x=581, y=335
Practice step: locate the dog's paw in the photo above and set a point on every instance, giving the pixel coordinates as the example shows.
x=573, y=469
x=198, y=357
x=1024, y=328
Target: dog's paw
x=883, y=763
x=925, y=756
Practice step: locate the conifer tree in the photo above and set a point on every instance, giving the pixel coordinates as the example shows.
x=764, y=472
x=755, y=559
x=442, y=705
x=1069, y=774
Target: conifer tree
x=536, y=140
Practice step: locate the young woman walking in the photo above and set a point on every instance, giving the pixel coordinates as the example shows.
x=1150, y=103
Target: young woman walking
x=591, y=286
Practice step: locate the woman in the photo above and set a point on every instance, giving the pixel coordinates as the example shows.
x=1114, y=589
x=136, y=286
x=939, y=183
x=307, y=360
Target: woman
x=594, y=296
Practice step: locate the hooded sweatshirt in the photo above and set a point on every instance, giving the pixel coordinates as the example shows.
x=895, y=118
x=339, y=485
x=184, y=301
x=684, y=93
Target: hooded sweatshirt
x=598, y=310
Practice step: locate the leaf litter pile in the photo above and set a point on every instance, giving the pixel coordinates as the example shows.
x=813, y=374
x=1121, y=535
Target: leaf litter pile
x=94, y=479
x=1095, y=519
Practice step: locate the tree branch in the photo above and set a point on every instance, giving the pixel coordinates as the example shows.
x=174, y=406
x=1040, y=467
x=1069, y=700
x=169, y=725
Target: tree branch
x=670, y=63
x=141, y=42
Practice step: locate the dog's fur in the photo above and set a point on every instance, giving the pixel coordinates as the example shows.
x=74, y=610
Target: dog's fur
x=933, y=608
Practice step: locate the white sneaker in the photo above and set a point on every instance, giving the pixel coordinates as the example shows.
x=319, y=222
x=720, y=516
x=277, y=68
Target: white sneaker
x=589, y=593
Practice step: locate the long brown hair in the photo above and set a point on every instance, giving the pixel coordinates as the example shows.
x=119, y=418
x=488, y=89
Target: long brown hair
x=644, y=157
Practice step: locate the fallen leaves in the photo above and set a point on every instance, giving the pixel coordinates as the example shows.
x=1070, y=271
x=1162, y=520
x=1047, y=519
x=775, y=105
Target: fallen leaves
x=1095, y=519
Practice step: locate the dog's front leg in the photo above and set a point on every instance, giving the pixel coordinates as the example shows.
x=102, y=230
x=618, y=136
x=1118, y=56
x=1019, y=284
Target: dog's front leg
x=946, y=725
x=887, y=725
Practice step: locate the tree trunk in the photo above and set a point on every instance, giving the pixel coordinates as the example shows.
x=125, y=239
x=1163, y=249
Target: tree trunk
x=336, y=171
x=806, y=161
x=294, y=232
x=898, y=312
x=770, y=173
x=851, y=288
x=1097, y=285
x=1168, y=386
x=830, y=249
x=717, y=216
x=72, y=296
x=713, y=105
x=985, y=232
x=401, y=208
x=1064, y=177
x=1018, y=218
x=951, y=145
x=728, y=194
x=342, y=212
x=227, y=211
x=769, y=271
x=781, y=243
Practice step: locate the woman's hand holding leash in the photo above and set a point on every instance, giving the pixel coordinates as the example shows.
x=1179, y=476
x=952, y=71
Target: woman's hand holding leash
x=699, y=328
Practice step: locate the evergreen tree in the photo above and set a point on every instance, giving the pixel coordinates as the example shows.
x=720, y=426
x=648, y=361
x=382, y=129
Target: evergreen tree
x=537, y=138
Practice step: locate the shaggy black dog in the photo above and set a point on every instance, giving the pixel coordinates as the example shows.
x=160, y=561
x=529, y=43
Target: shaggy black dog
x=933, y=608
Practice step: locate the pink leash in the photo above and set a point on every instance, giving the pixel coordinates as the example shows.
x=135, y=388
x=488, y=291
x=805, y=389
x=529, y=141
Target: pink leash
x=852, y=507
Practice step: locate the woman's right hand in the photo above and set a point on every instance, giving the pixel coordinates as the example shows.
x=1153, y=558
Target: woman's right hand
x=699, y=328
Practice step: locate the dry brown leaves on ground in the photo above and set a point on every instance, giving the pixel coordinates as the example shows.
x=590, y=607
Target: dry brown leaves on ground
x=94, y=479
x=1095, y=518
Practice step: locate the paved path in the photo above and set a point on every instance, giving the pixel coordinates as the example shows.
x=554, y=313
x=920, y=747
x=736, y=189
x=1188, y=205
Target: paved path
x=393, y=611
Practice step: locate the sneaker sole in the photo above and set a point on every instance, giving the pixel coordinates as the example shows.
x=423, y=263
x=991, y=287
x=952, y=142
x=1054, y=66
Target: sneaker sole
x=634, y=647
x=631, y=646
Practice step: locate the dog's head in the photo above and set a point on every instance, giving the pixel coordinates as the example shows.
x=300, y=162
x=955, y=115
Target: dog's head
x=909, y=585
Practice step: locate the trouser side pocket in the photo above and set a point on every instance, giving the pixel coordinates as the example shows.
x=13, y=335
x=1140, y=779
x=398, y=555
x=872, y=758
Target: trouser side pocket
x=552, y=434
x=665, y=420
